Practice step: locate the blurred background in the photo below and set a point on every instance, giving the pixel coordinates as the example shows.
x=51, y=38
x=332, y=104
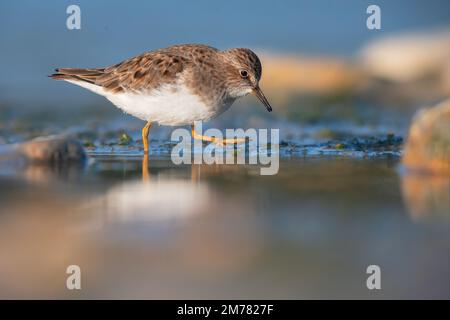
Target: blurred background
x=344, y=97
x=321, y=62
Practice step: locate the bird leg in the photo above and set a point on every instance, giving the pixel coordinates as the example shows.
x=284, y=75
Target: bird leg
x=220, y=141
x=145, y=173
x=145, y=131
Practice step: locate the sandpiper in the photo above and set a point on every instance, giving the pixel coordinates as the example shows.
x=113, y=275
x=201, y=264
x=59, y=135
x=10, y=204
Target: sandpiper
x=175, y=86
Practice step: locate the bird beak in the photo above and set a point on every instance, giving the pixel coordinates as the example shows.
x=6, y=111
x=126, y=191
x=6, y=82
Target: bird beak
x=257, y=91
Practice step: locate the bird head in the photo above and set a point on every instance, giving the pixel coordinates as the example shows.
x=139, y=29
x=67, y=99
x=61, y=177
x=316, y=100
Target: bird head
x=243, y=74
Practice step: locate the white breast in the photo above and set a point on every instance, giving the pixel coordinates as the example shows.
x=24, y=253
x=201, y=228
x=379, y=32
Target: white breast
x=170, y=104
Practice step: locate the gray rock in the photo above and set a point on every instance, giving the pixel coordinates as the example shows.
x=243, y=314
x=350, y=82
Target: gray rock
x=428, y=145
x=52, y=149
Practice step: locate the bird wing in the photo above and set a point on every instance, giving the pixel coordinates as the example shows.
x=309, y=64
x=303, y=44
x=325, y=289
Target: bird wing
x=141, y=73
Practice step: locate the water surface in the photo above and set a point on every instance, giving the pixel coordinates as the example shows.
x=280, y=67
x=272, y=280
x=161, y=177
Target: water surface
x=224, y=231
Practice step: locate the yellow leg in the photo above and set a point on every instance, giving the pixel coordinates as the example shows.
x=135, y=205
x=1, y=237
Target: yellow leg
x=145, y=173
x=145, y=131
x=216, y=140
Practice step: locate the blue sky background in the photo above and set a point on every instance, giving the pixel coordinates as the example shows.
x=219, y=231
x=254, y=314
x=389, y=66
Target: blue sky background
x=34, y=38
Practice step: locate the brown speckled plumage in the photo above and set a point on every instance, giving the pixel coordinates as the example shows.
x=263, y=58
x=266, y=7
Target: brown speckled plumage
x=178, y=85
x=207, y=71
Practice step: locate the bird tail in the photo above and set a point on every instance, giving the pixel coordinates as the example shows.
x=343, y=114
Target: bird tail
x=76, y=74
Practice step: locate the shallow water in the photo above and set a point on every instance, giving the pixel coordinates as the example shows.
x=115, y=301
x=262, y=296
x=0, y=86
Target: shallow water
x=224, y=231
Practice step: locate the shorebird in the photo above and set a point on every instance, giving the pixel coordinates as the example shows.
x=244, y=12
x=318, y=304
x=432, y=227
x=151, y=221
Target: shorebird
x=175, y=86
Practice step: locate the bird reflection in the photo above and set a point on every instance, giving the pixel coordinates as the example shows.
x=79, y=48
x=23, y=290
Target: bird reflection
x=154, y=198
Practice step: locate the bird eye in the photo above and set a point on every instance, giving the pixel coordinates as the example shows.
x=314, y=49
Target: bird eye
x=244, y=73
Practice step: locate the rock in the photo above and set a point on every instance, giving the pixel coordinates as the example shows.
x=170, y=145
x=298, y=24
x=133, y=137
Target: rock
x=408, y=57
x=427, y=148
x=407, y=69
x=446, y=78
x=302, y=74
x=51, y=150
